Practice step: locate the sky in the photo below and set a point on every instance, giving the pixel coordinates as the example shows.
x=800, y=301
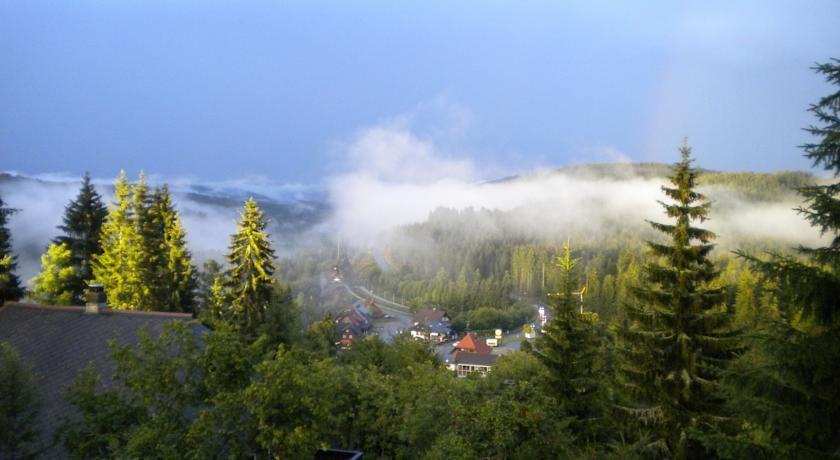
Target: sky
x=289, y=92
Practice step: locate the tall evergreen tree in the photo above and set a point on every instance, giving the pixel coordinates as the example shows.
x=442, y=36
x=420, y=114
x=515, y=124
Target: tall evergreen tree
x=675, y=345
x=10, y=288
x=168, y=265
x=54, y=285
x=120, y=266
x=787, y=386
x=149, y=227
x=250, y=281
x=82, y=228
x=180, y=276
x=571, y=351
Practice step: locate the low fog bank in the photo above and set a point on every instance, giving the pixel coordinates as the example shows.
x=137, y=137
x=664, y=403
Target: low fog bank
x=209, y=217
x=399, y=179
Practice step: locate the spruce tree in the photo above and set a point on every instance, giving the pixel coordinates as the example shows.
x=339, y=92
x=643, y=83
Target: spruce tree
x=120, y=266
x=168, y=262
x=55, y=284
x=149, y=227
x=676, y=344
x=82, y=228
x=10, y=288
x=250, y=281
x=571, y=350
x=787, y=386
x=181, y=277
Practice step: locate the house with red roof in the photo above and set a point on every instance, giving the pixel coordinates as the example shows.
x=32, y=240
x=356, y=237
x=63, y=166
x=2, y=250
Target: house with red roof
x=472, y=355
x=472, y=343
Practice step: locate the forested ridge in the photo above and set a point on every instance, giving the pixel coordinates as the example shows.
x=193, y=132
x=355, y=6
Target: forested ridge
x=663, y=343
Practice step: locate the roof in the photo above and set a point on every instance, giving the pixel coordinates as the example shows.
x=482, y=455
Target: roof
x=473, y=359
x=352, y=316
x=473, y=343
x=440, y=328
x=429, y=316
x=57, y=342
x=374, y=309
x=356, y=329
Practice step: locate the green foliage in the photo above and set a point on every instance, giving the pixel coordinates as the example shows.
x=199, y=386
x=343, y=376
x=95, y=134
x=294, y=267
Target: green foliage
x=55, y=285
x=205, y=279
x=676, y=342
x=249, y=281
x=160, y=387
x=82, y=228
x=176, y=398
x=170, y=262
x=572, y=351
x=282, y=317
x=105, y=419
x=786, y=386
x=10, y=288
x=321, y=337
x=19, y=404
x=144, y=264
x=119, y=268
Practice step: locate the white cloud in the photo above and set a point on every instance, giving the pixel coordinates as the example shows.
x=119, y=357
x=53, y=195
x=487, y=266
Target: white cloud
x=398, y=178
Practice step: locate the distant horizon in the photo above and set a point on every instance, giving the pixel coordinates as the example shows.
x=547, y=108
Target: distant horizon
x=266, y=181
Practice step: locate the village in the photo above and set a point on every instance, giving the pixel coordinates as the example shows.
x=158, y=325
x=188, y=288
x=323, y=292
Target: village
x=463, y=354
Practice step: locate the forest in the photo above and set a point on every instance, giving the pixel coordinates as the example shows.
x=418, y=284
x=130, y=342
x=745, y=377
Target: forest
x=679, y=348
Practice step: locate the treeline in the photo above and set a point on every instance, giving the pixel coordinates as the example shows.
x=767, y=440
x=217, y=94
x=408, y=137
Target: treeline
x=136, y=249
x=502, y=270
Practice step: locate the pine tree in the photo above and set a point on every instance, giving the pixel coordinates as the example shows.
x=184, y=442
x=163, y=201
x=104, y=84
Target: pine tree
x=170, y=264
x=675, y=345
x=787, y=386
x=250, y=281
x=120, y=266
x=149, y=227
x=571, y=350
x=55, y=284
x=82, y=228
x=10, y=288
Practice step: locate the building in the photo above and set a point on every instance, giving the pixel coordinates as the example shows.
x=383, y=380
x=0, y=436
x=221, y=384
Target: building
x=431, y=316
x=352, y=324
x=432, y=326
x=471, y=354
x=58, y=342
x=368, y=309
x=465, y=363
x=471, y=343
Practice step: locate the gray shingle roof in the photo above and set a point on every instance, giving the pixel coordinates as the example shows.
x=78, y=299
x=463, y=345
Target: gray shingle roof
x=429, y=316
x=57, y=342
x=474, y=359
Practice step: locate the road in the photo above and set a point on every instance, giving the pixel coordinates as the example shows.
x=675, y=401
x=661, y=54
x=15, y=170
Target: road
x=400, y=316
x=402, y=319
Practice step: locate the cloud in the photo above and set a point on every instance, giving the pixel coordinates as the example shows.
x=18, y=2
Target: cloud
x=399, y=178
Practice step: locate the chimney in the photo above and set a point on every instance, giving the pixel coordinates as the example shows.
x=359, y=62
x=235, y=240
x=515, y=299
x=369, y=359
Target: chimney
x=95, y=301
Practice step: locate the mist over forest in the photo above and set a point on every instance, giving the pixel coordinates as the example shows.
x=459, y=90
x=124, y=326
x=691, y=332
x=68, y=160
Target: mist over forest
x=369, y=208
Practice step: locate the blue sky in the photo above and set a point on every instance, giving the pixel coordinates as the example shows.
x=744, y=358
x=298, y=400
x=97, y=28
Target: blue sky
x=217, y=90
